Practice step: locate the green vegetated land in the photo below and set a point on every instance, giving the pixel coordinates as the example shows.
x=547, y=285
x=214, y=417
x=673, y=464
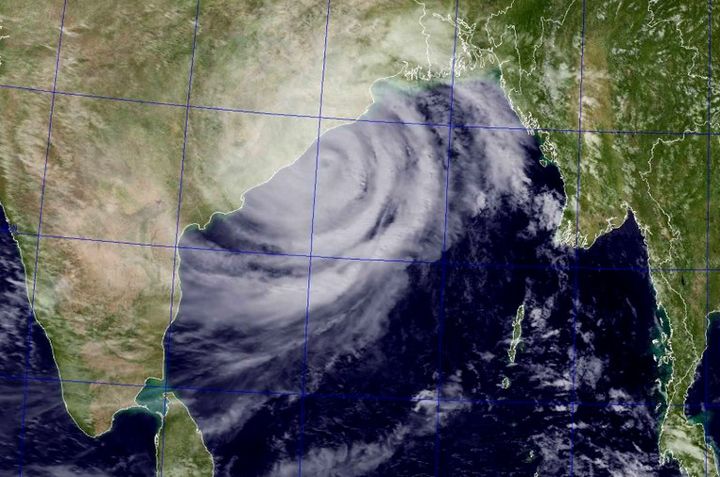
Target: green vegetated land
x=180, y=450
x=183, y=453
x=645, y=68
x=113, y=167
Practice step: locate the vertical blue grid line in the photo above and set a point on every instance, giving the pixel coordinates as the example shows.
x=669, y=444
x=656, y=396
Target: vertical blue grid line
x=28, y=337
x=706, y=397
x=177, y=238
x=304, y=370
x=576, y=276
x=443, y=260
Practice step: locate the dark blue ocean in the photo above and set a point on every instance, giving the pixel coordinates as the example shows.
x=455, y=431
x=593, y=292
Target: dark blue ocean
x=704, y=396
x=373, y=350
x=53, y=445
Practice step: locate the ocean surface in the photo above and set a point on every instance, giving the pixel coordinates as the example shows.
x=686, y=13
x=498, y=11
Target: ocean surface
x=385, y=336
x=703, y=403
x=53, y=445
x=349, y=378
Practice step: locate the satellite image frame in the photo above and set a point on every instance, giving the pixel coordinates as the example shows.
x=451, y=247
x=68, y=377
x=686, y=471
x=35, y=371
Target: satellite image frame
x=302, y=394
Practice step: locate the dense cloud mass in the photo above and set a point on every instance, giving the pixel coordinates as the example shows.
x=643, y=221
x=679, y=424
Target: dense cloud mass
x=372, y=326
x=375, y=352
x=381, y=194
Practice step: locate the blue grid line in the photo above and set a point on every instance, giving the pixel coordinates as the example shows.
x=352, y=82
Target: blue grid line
x=706, y=396
x=384, y=121
x=253, y=112
x=570, y=268
x=188, y=106
x=576, y=275
x=530, y=130
x=77, y=94
x=343, y=396
x=358, y=396
x=304, y=369
x=27, y=88
x=223, y=108
x=559, y=402
x=122, y=100
x=28, y=338
x=617, y=132
x=450, y=263
x=443, y=260
x=646, y=132
x=167, y=339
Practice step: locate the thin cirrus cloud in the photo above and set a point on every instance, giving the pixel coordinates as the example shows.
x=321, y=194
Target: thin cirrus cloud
x=381, y=193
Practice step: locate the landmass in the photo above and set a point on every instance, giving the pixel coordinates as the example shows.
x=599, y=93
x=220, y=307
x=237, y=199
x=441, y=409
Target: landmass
x=646, y=75
x=113, y=167
x=516, y=333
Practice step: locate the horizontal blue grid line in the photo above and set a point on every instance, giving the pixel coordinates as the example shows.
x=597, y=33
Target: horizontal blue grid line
x=253, y=111
x=587, y=268
x=559, y=402
x=25, y=88
x=122, y=100
x=451, y=263
x=351, y=396
x=383, y=121
x=92, y=96
x=52, y=379
x=363, y=120
x=649, y=132
x=356, y=396
x=619, y=132
x=221, y=108
x=220, y=250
